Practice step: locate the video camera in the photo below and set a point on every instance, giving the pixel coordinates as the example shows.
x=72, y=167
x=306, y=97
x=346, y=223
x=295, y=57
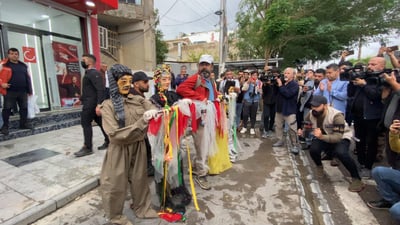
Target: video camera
x=270, y=77
x=372, y=78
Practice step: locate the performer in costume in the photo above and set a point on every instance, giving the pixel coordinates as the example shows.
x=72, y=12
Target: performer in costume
x=171, y=196
x=125, y=118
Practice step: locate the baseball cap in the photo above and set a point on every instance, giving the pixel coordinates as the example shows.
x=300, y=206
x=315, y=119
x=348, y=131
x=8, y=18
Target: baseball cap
x=206, y=58
x=140, y=75
x=318, y=100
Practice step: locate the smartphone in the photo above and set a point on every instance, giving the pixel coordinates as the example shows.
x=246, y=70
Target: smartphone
x=394, y=48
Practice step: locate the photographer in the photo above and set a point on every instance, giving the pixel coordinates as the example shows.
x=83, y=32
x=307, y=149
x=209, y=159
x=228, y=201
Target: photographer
x=252, y=89
x=269, y=92
x=286, y=109
x=331, y=133
x=228, y=83
x=366, y=110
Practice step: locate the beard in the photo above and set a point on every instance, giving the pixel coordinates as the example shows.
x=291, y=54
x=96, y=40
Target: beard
x=205, y=73
x=143, y=89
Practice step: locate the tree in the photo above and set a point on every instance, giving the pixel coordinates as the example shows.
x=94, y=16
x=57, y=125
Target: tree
x=161, y=46
x=310, y=29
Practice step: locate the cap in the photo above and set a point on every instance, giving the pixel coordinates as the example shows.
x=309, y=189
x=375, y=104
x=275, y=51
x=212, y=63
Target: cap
x=140, y=75
x=206, y=58
x=318, y=100
x=118, y=70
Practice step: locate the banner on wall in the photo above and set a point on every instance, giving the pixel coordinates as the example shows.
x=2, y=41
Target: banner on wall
x=67, y=73
x=29, y=54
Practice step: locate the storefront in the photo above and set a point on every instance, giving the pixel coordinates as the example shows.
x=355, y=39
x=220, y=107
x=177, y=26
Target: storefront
x=51, y=36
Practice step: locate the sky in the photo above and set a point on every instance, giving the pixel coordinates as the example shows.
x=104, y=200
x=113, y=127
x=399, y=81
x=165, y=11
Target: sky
x=187, y=16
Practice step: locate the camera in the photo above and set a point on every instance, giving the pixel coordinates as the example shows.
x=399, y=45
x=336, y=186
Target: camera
x=372, y=78
x=272, y=77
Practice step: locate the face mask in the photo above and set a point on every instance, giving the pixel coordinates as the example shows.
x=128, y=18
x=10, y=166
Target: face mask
x=317, y=113
x=84, y=65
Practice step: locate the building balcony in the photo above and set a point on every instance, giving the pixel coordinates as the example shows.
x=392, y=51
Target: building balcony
x=126, y=13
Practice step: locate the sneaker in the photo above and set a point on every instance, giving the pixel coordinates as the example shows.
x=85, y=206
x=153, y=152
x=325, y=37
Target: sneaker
x=243, y=130
x=365, y=173
x=334, y=162
x=103, y=147
x=294, y=150
x=233, y=158
x=202, y=182
x=252, y=131
x=84, y=151
x=264, y=135
x=278, y=144
x=4, y=130
x=380, y=204
x=356, y=185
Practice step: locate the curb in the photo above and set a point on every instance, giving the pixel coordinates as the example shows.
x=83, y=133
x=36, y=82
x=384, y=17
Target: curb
x=51, y=205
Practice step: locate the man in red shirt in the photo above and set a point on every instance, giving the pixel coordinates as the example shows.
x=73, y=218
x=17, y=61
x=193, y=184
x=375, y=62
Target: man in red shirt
x=200, y=87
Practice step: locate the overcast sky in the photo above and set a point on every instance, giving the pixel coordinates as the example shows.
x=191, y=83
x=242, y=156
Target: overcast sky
x=189, y=16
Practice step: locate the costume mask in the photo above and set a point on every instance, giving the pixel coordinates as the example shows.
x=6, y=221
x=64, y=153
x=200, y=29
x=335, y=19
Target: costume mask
x=124, y=84
x=162, y=78
x=205, y=73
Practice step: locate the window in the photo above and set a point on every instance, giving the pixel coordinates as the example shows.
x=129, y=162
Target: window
x=137, y=2
x=108, y=41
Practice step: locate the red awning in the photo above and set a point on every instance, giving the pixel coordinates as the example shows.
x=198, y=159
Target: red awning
x=83, y=5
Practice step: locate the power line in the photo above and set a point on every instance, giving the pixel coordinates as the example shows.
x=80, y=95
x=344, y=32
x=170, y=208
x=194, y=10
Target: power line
x=188, y=21
x=176, y=1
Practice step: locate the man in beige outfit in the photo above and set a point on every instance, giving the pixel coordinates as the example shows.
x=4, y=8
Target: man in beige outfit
x=125, y=116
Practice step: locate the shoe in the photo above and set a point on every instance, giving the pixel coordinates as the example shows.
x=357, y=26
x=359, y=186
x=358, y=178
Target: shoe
x=380, y=204
x=103, y=147
x=294, y=150
x=84, y=151
x=243, y=130
x=252, y=131
x=150, y=214
x=278, y=144
x=202, y=182
x=356, y=185
x=319, y=172
x=334, y=162
x=25, y=127
x=264, y=135
x=365, y=173
x=4, y=130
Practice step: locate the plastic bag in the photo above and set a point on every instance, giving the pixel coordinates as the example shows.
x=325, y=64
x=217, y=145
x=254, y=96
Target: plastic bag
x=33, y=108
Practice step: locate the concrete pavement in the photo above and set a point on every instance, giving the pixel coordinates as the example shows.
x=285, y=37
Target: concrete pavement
x=39, y=173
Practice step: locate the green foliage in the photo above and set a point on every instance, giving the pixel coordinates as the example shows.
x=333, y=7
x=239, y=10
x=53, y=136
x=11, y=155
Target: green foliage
x=310, y=29
x=161, y=46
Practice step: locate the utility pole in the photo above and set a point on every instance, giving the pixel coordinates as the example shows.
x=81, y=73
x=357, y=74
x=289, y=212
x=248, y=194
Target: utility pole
x=223, y=38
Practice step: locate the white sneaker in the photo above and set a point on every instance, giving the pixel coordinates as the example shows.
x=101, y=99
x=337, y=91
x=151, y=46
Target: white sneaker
x=252, y=131
x=243, y=130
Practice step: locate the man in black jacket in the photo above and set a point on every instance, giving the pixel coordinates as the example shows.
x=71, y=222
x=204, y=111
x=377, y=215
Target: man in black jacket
x=18, y=88
x=91, y=98
x=366, y=110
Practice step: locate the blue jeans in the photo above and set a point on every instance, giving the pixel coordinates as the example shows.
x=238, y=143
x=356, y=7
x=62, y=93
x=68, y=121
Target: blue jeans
x=388, y=181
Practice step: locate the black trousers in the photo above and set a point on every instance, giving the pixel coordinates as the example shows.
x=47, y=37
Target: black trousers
x=249, y=110
x=340, y=150
x=269, y=116
x=10, y=99
x=366, y=131
x=87, y=116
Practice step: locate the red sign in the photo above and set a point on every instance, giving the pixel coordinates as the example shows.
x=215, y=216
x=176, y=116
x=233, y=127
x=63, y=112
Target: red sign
x=29, y=54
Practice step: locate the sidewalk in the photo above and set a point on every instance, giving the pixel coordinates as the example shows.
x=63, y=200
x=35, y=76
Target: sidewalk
x=39, y=173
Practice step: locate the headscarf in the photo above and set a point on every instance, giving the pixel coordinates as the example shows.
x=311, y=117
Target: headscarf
x=116, y=72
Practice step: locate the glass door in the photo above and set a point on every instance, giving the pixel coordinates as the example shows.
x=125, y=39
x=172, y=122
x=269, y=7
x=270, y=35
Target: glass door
x=30, y=51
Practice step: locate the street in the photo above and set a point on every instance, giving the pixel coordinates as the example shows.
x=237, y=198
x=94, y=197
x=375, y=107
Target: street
x=265, y=186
